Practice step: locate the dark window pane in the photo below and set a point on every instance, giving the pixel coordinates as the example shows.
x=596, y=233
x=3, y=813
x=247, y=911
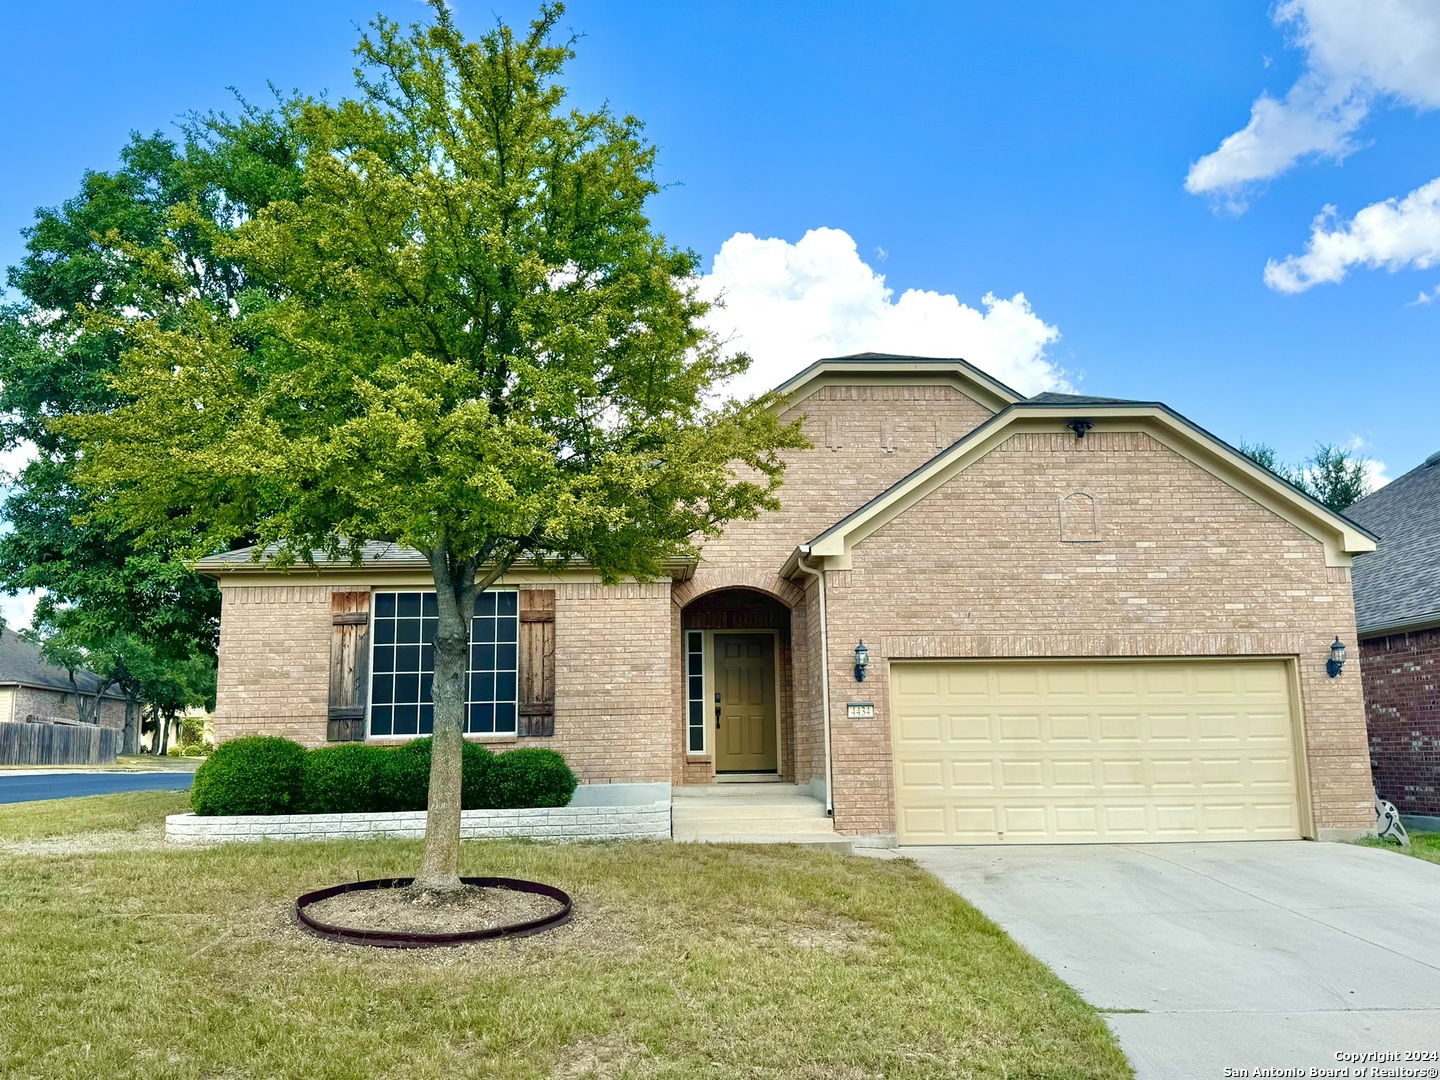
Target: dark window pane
x=384, y=658
x=505, y=686
x=507, y=603
x=506, y=630
x=482, y=687
x=482, y=631
x=380, y=721
x=505, y=657
x=408, y=631
x=407, y=658
x=482, y=657
x=697, y=714
x=384, y=605
x=697, y=686
x=407, y=719
x=407, y=689
x=505, y=717
x=383, y=692
x=427, y=657
x=485, y=604
x=407, y=604
x=427, y=719
x=697, y=664
x=384, y=631
x=426, y=689
x=697, y=739
x=429, y=607
x=482, y=717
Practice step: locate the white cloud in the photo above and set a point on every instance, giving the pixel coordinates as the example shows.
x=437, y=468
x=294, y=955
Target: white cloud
x=17, y=610
x=1425, y=298
x=1393, y=234
x=13, y=460
x=1376, y=472
x=789, y=305
x=1357, y=52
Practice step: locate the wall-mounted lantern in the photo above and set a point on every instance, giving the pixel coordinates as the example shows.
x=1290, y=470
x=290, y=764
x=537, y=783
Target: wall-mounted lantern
x=862, y=660
x=1336, y=663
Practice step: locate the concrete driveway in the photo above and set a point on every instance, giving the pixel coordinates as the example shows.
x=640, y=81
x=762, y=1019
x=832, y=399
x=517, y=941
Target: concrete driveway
x=1215, y=956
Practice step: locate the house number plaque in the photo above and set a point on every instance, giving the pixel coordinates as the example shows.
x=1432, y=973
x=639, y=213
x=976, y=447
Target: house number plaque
x=860, y=710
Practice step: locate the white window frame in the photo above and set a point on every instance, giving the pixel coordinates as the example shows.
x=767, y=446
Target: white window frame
x=697, y=640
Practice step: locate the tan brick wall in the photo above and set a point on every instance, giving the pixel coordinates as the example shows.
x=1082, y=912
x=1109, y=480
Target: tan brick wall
x=612, y=674
x=274, y=662
x=864, y=439
x=1185, y=565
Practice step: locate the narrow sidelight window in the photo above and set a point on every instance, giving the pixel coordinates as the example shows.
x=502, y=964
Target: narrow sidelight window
x=695, y=689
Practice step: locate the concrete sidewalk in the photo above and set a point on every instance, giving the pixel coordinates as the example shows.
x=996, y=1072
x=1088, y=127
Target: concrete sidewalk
x=1232, y=955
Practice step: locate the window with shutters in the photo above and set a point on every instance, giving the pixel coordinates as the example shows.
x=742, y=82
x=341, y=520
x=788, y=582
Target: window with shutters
x=403, y=664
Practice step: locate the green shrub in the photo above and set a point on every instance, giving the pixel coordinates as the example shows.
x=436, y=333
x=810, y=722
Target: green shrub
x=402, y=776
x=341, y=779
x=172, y=750
x=475, y=777
x=260, y=774
x=529, y=777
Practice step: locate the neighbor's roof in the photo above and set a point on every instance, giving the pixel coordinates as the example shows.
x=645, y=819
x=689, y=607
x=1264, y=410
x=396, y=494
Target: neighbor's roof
x=1340, y=536
x=888, y=366
x=374, y=555
x=1399, y=585
x=21, y=664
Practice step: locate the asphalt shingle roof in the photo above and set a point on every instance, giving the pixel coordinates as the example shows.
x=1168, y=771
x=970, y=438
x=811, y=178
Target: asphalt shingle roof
x=1398, y=584
x=1050, y=397
x=21, y=662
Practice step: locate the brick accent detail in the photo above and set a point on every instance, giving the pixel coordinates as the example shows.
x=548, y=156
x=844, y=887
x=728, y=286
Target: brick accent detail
x=1401, y=673
x=1184, y=565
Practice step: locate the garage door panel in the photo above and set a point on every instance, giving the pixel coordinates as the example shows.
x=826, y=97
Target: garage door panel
x=1053, y=751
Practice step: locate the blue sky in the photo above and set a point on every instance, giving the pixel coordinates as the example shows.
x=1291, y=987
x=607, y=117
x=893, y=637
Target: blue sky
x=959, y=150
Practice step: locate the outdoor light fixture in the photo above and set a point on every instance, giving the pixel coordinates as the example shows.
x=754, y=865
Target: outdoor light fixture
x=1080, y=426
x=862, y=660
x=1336, y=663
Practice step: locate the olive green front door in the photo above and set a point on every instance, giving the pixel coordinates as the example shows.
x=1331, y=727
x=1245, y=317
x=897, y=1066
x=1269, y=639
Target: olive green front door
x=745, y=736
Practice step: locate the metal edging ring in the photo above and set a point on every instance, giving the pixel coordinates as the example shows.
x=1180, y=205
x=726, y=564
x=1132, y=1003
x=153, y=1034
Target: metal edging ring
x=396, y=939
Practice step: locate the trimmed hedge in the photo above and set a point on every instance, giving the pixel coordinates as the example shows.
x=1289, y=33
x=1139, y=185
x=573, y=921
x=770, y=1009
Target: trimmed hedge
x=254, y=775
x=261, y=774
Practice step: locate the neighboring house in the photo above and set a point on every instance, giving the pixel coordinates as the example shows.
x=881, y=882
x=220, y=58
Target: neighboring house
x=1397, y=608
x=1086, y=619
x=31, y=686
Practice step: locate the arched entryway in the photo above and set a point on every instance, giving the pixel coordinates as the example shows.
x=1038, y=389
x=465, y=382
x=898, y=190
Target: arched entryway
x=737, y=687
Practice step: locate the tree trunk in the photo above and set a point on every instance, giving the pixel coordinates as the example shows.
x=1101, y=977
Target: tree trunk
x=130, y=737
x=455, y=593
x=162, y=736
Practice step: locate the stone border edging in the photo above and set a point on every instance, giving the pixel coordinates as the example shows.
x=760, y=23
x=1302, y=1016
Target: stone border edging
x=644, y=822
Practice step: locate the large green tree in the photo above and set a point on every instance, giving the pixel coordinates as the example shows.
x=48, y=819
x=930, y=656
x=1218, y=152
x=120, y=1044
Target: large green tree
x=463, y=334
x=1334, y=475
x=108, y=601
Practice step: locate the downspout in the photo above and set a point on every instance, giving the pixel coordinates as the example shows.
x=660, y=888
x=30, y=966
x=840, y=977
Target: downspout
x=819, y=576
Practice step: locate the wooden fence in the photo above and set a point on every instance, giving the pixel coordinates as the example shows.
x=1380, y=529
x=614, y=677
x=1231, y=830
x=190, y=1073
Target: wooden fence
x=57, y=744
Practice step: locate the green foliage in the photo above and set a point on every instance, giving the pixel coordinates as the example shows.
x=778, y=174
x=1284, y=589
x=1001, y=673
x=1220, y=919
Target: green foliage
x=339, y=778
x=530, y=776
x=259, y=774
x=355, y=778
x=1334, y=475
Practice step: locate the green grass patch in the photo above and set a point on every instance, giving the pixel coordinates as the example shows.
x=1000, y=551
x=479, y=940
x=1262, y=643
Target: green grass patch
x=91, y=814
x=682, y=961
x=1423, y=845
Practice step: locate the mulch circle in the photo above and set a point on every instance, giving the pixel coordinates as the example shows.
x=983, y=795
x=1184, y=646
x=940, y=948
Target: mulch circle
x=396, y=939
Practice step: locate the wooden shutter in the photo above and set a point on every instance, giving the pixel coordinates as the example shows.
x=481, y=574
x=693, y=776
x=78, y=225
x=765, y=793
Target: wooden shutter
x=537, y=662
x=349, y=665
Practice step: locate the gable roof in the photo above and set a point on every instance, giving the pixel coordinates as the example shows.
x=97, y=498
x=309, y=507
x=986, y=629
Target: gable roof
x=21, y=664
x=1340, y=536
x=1399, y=585
x=890, y=367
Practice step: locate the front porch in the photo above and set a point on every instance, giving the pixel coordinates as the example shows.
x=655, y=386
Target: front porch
x=771, y=812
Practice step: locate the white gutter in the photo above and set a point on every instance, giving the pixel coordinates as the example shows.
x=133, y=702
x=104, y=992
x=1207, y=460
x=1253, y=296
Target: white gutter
x=819, y=576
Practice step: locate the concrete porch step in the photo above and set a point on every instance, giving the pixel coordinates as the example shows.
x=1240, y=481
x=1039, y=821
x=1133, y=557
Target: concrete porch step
x=758, y=810
x=761, y=790
x=751, y=814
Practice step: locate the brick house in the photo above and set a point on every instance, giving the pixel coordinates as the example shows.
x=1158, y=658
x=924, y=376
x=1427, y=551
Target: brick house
x=1397, y=609
x=1082, y=619
x=31, y=686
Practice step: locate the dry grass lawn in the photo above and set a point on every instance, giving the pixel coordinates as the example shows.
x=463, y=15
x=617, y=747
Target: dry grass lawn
x=1423, y=845
x=121, y=957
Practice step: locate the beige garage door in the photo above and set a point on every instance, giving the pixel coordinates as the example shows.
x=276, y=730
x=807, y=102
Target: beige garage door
x=1064, y=751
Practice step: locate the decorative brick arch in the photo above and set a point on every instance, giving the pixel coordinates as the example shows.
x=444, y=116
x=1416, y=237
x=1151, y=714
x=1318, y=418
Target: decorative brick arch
x=708, y=581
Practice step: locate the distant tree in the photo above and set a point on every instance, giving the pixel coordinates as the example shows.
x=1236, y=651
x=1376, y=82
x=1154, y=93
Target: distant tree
x=463, y=335
x=104, y=592
x=1334, y=475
